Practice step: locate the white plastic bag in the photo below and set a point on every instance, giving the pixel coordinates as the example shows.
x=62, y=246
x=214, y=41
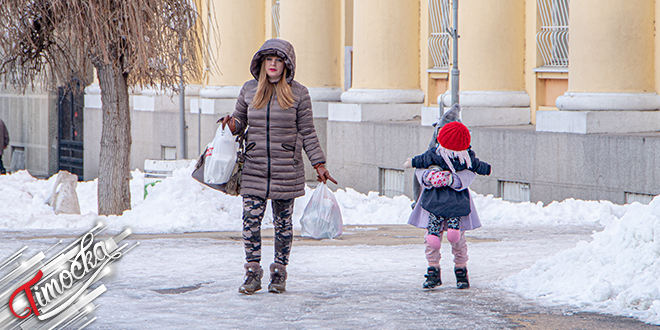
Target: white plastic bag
x=219, y=165
x=321, y=217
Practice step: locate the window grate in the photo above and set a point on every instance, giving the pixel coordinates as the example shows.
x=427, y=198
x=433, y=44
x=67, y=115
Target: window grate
x=167, y=152
x=552, y=40
x=640, y=198
x=275, y=11
x=17, y=159
x=440, y=14
x=514, y=191
x=392, y=182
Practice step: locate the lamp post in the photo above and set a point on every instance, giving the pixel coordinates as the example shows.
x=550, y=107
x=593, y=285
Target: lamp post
x=182, y=112
x=454, y=66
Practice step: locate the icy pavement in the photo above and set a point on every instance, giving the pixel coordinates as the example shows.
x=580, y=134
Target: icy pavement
x=191, y=282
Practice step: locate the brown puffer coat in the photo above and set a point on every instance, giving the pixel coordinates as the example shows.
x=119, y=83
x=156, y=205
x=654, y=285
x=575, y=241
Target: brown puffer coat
x=276, y=137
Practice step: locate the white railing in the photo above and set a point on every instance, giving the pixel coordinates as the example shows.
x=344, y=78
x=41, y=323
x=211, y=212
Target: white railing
x=440, y=15
x=552, y=40
x=275, y=11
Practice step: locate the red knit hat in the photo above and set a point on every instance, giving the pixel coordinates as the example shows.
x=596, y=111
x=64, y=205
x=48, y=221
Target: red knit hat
x=454, y=136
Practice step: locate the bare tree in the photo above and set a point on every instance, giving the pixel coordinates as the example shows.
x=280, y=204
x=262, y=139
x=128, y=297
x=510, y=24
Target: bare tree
x=129, y=42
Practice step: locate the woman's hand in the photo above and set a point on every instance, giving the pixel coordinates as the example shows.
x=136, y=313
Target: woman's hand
x=323, y=174
x=228, y=120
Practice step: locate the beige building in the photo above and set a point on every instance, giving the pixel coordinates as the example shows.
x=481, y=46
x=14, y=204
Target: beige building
x=561, y=97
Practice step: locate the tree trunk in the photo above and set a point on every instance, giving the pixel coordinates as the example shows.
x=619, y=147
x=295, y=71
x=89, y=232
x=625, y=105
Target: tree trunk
x=114, y=195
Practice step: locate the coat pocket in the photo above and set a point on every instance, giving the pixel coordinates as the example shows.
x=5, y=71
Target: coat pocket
x=249, y=147
x=291, y=148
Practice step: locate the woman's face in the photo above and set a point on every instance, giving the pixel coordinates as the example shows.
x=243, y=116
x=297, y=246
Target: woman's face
x=274, y=67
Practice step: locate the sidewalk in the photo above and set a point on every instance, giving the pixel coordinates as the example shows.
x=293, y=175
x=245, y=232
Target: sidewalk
x=370, y=277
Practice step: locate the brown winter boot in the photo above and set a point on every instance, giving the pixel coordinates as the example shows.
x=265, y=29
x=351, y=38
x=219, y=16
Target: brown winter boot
x=253, y=275
x=277, y=278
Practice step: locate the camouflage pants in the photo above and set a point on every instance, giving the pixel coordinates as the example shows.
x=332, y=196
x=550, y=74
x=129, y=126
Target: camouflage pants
x=253, y=213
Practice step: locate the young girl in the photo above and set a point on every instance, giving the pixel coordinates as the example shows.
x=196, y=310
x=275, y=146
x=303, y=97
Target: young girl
x=445, y=203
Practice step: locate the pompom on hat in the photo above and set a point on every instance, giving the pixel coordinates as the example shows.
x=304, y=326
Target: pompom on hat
x=454, y=136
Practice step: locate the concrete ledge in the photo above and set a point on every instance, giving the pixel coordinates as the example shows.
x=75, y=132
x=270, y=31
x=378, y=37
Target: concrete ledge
x=159, y=102
x=489, y=99
x=93, y=89
x=372, y=112
x=93, y=101
x=608, y=101
x=144, y=103
x=191, y=90
x=320, y=109
x=430, y=115
x=382, y=96
x=220, y=92
x=485, y=116
x=584, y=122
x=325, y=94
x=205, y=106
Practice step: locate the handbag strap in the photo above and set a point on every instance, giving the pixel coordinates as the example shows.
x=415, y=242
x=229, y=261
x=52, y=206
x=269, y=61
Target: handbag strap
x=240, y=139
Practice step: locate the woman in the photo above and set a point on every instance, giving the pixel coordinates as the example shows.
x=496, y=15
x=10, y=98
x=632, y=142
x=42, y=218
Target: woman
x=278, y=112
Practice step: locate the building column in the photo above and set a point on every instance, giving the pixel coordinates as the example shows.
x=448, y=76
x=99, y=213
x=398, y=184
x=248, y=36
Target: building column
x=313, y=27
x=491, y=61
x=611, y=86
x=385, y=77
x=240, y=33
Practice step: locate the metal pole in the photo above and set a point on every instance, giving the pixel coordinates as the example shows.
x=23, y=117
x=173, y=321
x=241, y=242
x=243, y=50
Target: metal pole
x=454, y=67
x=182, y=111
x=199, y=125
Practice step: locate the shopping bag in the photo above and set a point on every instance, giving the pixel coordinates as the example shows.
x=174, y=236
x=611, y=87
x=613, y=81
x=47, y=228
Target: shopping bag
x=233, y=186
x=321, y=217
x=221, y=157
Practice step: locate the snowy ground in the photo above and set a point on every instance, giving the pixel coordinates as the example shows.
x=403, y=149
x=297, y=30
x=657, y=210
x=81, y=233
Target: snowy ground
x=543, y=257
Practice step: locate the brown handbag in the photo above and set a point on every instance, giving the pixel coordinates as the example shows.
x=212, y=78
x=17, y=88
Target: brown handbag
x=233, y=186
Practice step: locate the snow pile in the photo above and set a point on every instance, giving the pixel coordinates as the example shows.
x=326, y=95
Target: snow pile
x=24, y=205
x=181, y=204
x=617, y=272
x=496, y=212
x=177, y=204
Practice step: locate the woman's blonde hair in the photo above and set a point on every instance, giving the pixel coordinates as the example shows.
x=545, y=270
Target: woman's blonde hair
x=264, y=92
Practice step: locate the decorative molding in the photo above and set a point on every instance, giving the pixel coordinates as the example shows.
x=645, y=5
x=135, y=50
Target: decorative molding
x=325, y=94
x=382, y=96
x=493, y=99
x=220, y=92
x=586, y=122
x=608, y=101
x=93, y=89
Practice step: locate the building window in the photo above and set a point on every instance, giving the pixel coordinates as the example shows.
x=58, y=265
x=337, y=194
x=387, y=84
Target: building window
x=640, y=198
x=552, y=40
x=391, y=182
x=514, y=191
x=440, y=16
